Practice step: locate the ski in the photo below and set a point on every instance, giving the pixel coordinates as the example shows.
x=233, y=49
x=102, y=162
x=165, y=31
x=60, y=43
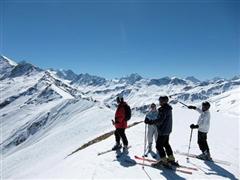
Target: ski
x=171, y=168
x=195, y=156
x=107, y=151
x=175, y=165
x=104, y=152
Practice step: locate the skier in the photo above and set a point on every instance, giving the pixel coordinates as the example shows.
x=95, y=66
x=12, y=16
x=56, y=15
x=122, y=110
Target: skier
x=120, y=124
x=164, y=127
x=203, y=128
x=151, y=128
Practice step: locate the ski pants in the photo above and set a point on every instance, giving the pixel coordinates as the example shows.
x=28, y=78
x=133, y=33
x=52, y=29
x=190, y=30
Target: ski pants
x=163, y=146
x=202, y=141
x=151, y=131
x=120, y=134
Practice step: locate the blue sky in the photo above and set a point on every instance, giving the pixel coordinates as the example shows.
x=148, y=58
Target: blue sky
x=116, y=38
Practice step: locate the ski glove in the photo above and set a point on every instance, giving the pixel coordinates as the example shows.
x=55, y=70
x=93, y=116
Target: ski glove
x=192, y=126
x=192, y=107
x=147, y=121
x=116, y=120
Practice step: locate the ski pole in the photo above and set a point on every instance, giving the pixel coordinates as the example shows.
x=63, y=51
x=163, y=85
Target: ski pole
x=189, y=146
x=145, y=139
x=182, y=103
x=178, y=101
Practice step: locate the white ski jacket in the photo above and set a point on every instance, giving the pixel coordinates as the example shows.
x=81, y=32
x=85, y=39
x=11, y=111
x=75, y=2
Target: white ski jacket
x=203, y=120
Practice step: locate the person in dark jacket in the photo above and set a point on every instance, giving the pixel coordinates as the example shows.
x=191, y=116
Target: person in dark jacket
x=164, y=127
x=120, y=124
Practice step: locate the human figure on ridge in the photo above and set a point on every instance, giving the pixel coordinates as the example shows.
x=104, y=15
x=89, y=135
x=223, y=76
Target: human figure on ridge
x=120, y=124
x=152, y=115
x=164, y=127
x=203, y=125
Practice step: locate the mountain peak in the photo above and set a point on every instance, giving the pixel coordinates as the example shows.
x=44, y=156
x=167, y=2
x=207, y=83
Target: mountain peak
x=131, y=79
x=193, y=79
x=7, y=60
x=24, y=68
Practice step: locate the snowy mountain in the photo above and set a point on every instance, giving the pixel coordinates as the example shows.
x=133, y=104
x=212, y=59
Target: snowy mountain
x=6, y=66
x=193, y=79
x=46, y=115
x=131, y=79
x=66, y=74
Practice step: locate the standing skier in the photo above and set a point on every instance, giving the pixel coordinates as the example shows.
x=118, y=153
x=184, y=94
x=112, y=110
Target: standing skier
x=164, y=127
x=203, y=128
x=120, y=124
x=151, y=127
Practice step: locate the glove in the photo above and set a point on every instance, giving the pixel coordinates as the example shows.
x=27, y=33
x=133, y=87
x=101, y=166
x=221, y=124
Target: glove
x=147, y=121
x=151, y=122
x=113, y=123
x=192, y=107
x=116, y=120
x=192, y=126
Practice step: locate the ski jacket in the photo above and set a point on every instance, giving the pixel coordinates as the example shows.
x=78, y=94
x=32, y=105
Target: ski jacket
x=164, y=120
x=120, y=121
x=203, y=120
x=152, y=115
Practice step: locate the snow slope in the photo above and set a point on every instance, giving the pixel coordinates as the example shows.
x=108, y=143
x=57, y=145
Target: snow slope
x=48, y=154
x=44, y=118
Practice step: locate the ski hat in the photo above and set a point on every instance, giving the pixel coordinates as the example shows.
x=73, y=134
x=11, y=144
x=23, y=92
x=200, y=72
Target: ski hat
x=153, y=105
x=163, y=98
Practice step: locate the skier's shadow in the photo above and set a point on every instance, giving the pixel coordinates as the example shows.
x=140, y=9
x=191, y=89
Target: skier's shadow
x=170, y=174
x=218, y=170
x=125, y=160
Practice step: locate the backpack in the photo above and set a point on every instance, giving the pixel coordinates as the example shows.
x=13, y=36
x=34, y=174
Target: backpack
x=128, y=112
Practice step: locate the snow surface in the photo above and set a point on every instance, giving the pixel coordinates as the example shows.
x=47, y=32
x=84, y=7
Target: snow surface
x=48, y=154
x=44, y=118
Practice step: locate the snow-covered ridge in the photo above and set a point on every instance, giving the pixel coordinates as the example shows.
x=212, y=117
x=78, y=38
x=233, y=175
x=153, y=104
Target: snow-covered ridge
x=46, y=116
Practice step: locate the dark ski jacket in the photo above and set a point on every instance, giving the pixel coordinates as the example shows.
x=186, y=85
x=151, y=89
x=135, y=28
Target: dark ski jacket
x=164, y=120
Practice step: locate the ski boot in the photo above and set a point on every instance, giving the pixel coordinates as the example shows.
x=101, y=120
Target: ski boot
x=116, y=147
x=159, y=164
x=149, y=150
x=125, y=149
x=172, y=161
x=207, y=155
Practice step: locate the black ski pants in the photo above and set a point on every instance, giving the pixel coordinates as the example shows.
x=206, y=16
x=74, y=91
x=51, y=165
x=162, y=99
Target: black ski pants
x=163, y=146
x=202, y=141
x=120, y=134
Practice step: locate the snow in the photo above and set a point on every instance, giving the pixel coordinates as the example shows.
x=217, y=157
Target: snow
x=11, y=62
x=61, y=92
x=57, y=117
x=48, y=154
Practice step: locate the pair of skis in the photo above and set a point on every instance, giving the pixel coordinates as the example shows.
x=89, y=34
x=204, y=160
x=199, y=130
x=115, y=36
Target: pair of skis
x=174, y=167
x=196, y=156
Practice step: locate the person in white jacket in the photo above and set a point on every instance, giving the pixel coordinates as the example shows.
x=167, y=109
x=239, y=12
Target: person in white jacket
x=152, y=115
x=203, y=125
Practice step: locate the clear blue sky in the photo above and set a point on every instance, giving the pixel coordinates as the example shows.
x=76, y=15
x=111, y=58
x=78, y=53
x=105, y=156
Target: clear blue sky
x=116, y=38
